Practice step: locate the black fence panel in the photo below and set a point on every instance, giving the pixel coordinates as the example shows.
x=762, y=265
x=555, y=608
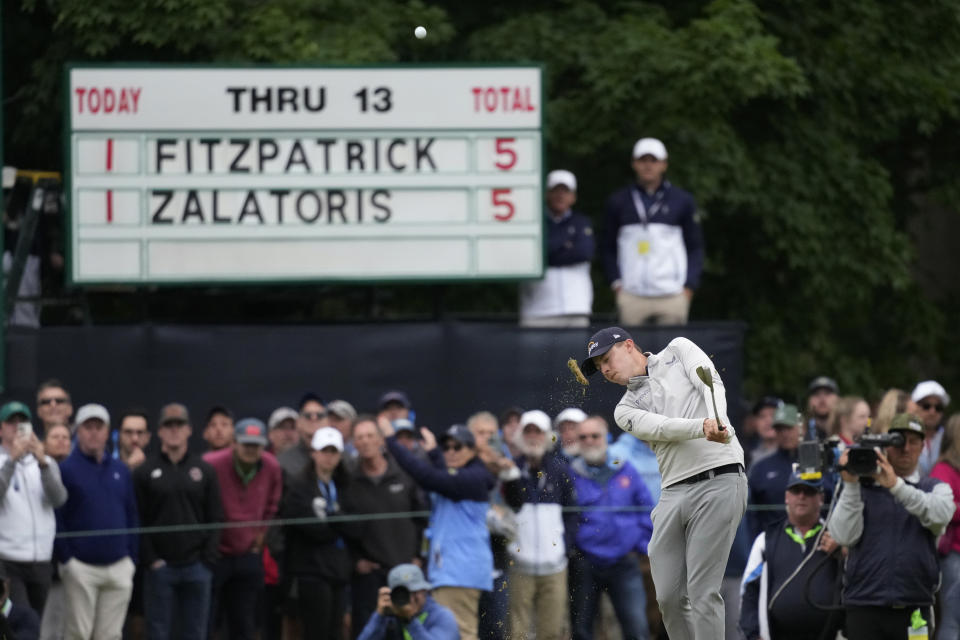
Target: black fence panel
x=449, y=369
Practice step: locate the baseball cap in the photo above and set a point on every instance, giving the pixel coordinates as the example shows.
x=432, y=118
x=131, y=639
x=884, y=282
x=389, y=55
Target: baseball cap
x=394, y=396
x=251, y=431
x=280, y=414
x=342, y=409
x=173, y=412
x=460, y=433
x=570, y=414
x=649, y=147
x=537, y=417
x=561, y=177
x=599, y=344
x=930, y=388
x=787, y=415
x=822, y=382
x=91, y=411
x=409, y=576
x=402, y=424
x=907, y=422
x=309, y=396
x=13, y=408
x=327, y=437
x=796, y=479
x=772, y=402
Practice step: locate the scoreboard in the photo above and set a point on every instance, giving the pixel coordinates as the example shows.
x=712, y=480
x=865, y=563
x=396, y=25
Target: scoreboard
x=283, y=174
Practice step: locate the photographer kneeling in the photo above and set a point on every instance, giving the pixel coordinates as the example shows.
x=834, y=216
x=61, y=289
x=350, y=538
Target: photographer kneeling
x=890, y=522
x=406, y=610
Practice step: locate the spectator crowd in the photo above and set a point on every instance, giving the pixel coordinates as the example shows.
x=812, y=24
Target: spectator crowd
x=327, y=522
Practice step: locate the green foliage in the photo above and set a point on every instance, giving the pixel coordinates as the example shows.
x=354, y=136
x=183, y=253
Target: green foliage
x=812, y=134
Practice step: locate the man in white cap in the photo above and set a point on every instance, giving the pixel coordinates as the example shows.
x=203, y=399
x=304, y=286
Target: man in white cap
x=537, y=488
x=564, y=297
x=283, y=429
x=96, y=571
x=652, y=245
x=566, y=424
x=931, y=400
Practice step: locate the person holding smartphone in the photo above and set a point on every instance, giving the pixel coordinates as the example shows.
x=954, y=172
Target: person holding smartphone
x=30, y=489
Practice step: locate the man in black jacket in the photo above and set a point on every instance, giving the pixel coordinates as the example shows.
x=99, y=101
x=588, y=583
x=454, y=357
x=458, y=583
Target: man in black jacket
x=378, y=485
x=775, y=603
x=175, y=487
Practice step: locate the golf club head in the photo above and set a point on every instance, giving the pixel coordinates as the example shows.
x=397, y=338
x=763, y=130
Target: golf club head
x=706, y=376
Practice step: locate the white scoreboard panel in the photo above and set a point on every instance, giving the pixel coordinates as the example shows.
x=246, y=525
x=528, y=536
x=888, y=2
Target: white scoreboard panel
x=211, y=175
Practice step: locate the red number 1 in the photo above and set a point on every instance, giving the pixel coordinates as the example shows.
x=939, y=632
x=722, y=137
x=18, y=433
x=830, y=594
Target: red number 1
x=499, y=197
x=503, y=149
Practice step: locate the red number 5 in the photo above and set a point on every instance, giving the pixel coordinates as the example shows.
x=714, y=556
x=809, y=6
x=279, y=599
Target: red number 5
x=499, y=197
x=503, y=149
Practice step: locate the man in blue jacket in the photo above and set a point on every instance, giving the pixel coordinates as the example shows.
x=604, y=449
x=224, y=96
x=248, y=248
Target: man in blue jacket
x=96, y=571
x=652, y=246
x=461, y=562
x=608, y=540
x=564, y=297
x=406, y=611
x=890, y=522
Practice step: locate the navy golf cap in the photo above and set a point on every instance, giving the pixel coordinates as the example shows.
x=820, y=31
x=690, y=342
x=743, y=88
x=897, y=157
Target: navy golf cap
x=599, y=344
x=796, y=480
x=459, y=433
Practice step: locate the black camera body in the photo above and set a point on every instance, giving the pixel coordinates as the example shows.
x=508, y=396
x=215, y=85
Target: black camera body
x=399, y=597
x=815, y=457
x=862, y=457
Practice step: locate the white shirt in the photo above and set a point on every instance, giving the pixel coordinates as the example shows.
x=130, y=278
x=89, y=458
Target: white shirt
x=667, y=407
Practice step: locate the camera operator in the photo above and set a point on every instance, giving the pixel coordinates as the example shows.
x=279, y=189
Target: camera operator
x=406, y=610
x=890, y=522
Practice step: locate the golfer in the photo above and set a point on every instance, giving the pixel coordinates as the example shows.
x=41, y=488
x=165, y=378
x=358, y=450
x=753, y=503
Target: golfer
x=704, y=490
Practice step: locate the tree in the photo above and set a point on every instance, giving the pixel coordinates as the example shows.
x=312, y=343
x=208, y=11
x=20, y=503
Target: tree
x=812, y=135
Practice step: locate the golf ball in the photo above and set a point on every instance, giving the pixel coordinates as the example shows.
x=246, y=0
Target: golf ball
x=420, y=32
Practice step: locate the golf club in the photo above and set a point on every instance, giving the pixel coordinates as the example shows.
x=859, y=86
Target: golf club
x=707, y=378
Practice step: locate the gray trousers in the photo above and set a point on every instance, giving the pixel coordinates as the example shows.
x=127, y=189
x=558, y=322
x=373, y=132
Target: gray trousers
x=693, y=530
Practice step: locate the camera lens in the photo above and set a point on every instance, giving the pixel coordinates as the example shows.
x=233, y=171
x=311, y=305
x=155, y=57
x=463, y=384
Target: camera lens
x=399, y=597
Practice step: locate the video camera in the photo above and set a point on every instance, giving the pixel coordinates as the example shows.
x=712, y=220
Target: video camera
x=816, y=457
x=862, y=459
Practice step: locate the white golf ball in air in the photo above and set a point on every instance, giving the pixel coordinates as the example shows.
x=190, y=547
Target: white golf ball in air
x=420, y=32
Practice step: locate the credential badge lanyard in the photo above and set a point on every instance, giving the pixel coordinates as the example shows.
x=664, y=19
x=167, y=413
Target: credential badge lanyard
x=642, y=210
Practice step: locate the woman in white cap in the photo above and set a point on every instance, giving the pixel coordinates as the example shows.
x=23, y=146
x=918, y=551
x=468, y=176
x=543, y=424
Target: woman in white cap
x=316, y=556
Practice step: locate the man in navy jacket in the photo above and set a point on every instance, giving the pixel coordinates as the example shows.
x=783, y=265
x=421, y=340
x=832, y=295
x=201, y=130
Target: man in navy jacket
x=773, y=608
x=564, y=297
x=96, y=571
x=891, y=526
x=538, y=487
x=652, y=245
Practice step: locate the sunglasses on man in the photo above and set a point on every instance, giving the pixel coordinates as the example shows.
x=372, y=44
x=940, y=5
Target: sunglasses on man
x=928, y=406
x=452, y=446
